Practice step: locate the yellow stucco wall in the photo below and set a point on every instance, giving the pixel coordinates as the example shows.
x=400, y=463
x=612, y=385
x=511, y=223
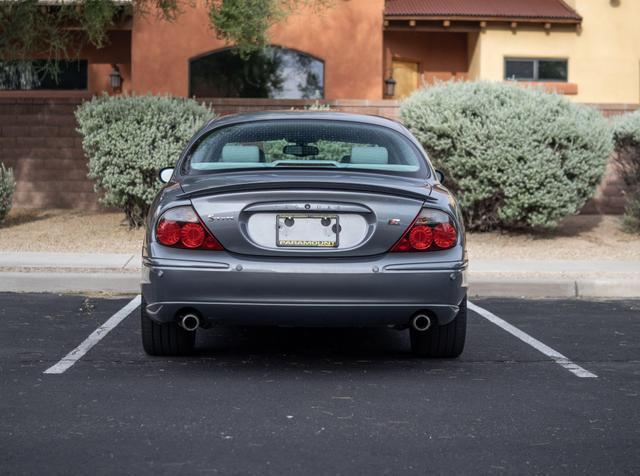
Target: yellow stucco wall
x=474, y=55
x=604, y=55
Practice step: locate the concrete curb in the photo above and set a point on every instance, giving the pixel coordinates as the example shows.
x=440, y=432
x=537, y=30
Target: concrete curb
x=554, y=288
x=115, y=261
x=533, y=288
x=608, y=288
x=43, y=282
x=483, y=286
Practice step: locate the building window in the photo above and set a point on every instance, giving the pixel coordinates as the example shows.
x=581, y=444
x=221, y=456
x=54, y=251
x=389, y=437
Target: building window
x=273, y=72
x=31, y=75
x=526, y=69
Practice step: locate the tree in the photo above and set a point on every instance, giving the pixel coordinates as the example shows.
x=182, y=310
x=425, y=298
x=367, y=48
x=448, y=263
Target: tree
x=56, y=31
x=245, y=22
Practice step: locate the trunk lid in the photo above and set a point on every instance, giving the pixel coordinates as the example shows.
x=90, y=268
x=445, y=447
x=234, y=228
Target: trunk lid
x=296, y=213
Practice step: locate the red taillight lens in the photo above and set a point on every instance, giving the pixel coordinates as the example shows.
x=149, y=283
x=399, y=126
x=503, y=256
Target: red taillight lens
x=444, y=235
x=168, y=232
x=432, y=230
x=181, y=227
x=192, y=235
x=420, y=237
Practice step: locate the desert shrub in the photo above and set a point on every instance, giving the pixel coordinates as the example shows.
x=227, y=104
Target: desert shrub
x=7, y=187
x=317, y=106
x=631, y=220
x=626, y=135
x=128, y=139
x=516, y=157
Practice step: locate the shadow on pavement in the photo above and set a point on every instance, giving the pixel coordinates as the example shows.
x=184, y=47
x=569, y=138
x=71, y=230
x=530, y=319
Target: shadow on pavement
x=351, y=343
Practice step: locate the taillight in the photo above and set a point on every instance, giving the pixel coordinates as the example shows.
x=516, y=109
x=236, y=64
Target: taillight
x=181, y=227
x=432, y=230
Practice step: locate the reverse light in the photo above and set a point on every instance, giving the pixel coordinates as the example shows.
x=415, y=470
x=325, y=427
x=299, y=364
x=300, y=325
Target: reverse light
x=432, y=230
x=181, y=227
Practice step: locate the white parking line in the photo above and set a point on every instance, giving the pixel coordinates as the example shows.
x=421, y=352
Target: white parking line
x=77, y=353
x=556, y=356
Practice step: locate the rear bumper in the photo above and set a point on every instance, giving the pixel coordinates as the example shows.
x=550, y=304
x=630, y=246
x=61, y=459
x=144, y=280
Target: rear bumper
x=376, y=291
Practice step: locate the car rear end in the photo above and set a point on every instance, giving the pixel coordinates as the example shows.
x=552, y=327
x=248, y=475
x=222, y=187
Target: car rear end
x=310, y=220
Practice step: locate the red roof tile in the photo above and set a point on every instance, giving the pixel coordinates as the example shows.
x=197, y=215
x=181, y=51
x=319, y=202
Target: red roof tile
x=512, y=9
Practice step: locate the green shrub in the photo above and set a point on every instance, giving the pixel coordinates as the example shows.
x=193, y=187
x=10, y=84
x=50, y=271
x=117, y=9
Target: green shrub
x=129, y=138
x=626, y=134
x=631, y=219
x=7, y=187
x=316, y=106
x=515, y=157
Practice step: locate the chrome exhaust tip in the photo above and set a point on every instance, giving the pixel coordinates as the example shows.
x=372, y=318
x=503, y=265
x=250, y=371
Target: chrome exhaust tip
x=189, y=322
x=421, y=322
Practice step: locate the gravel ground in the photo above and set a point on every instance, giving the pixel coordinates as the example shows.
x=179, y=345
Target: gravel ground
x=69, y=231
x=580, y=237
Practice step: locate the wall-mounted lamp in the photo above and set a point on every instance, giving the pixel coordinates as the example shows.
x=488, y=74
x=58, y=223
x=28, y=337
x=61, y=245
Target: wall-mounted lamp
x=115, y=79
x=390, y=87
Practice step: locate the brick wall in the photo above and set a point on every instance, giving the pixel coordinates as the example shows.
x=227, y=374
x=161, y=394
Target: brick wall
x=223, y=106
x=38, y=139
x=609, y=198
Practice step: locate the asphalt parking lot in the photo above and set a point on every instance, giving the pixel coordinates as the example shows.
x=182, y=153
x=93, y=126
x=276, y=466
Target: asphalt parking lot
x=331, y=401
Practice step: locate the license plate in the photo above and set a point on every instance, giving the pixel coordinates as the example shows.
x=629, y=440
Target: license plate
x=307, y=231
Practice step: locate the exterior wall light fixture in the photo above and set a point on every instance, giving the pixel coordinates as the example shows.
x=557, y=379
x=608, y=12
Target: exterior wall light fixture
x=115, y=79
x=390, y=87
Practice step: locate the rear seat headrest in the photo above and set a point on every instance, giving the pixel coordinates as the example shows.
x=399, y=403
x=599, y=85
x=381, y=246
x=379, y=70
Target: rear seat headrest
x=369, y=155
x=240, y=153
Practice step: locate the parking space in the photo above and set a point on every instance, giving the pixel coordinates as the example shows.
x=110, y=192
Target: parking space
x=328, y=401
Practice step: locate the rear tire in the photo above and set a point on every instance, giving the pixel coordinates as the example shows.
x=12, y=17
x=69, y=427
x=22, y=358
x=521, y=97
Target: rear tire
x=164, y=339
x=442, y=341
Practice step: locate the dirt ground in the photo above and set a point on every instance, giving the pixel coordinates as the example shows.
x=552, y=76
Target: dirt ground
x=584, y=237
x=68, y=231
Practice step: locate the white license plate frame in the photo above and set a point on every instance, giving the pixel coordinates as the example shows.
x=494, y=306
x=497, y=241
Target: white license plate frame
x=306, y=241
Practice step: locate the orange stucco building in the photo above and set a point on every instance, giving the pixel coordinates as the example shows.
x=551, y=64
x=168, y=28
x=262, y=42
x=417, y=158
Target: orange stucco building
x=351, y=39
x=347, y=38
x=356, y=46
x=358, y=49
x=354, y=49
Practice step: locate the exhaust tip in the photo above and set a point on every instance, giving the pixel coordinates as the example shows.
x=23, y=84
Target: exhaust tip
x=189, y=322
x=421, y=322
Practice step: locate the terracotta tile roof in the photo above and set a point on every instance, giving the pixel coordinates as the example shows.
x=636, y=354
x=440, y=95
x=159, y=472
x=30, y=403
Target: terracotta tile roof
x=483, y=9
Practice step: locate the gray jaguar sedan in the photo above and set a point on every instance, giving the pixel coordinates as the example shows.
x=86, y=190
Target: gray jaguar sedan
x=312, y=219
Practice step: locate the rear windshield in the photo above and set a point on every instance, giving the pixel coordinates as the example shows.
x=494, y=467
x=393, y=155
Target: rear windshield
x=308, y=143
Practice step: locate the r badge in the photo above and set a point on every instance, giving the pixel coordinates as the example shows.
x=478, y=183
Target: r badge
x=394, y=221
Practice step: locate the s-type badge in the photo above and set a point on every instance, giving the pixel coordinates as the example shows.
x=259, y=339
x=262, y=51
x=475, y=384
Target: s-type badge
x=220, y=218
x=394, y=221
